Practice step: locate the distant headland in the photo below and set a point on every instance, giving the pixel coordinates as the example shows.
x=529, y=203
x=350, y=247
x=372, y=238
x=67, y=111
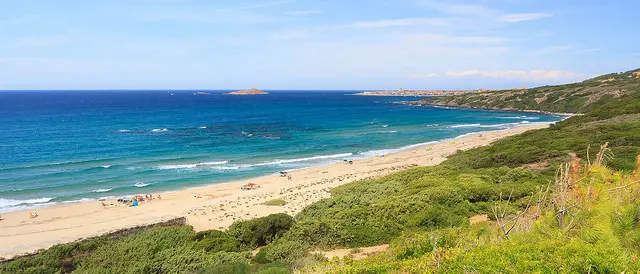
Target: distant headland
x=253, y=91
x=425, y=92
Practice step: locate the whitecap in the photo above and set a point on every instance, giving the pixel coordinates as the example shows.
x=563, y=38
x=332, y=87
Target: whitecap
x=385, y=125
x=102, y=190
x=159, y=130
x=140, y=184
x=124, y=130
x=202, y=127
x=106, y=166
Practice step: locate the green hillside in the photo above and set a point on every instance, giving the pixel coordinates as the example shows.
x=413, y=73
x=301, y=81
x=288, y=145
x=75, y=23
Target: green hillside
x=572, y=98
x=568, y=196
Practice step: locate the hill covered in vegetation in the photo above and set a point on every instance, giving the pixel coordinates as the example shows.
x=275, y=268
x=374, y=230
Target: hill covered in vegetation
x=579, y=97
x=561, y=199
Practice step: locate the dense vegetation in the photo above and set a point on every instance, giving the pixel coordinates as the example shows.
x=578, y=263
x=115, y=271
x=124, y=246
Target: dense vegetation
x=173, y=249
x=573, y=98
x=584, y=219
x=587, y=221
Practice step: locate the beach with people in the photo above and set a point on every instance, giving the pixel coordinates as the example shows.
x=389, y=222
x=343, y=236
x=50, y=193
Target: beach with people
x=218, y=206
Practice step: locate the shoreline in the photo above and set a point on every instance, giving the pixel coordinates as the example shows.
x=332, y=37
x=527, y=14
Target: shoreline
x=218, y=205
x=353, y=156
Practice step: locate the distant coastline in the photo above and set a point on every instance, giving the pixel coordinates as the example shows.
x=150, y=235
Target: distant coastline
x=423, y=92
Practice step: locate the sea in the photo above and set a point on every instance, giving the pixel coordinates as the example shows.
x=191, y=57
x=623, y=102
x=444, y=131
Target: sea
x=61, y=147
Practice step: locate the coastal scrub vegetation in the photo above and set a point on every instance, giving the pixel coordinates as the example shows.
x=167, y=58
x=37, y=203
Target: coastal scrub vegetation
x=586, y=220
x=579, y=97
x=562, y=199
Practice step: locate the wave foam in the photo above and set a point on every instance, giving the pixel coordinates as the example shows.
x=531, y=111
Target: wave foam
x=100, y=190
x=523, y=117
x=140, y=184
x=10, y=202
x=106, y=166
x=306, y=159
x=190, y=166
x=159, y=130
x=465, y=125
x=503, y=125
x=124, y=130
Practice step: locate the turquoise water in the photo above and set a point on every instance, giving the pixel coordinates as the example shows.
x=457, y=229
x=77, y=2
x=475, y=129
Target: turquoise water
x=68, y=146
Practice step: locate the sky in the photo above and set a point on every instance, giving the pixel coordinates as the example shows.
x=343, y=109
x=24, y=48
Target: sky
x=313, y=44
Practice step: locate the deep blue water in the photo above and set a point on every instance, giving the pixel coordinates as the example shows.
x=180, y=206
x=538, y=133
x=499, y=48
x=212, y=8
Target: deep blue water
x=61, y=146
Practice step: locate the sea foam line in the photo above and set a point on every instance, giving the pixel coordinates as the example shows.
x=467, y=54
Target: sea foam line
x=190, y=166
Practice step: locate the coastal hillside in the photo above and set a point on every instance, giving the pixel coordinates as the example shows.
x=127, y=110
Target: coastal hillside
x=560, y=199
x=571, y=98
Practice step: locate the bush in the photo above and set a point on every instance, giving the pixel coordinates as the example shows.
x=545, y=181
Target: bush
x=215, y=241
x=275, y=202
x=261, y=231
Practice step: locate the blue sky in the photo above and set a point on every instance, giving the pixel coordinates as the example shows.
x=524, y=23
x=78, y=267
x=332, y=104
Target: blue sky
x=313, y=44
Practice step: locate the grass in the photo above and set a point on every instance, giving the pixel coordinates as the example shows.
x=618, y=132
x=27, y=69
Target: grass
x=275, y=202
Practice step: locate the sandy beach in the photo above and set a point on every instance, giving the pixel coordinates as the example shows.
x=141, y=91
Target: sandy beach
x=218, y=206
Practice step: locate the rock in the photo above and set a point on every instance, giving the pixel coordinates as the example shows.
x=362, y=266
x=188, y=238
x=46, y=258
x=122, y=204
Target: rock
x=253, y=91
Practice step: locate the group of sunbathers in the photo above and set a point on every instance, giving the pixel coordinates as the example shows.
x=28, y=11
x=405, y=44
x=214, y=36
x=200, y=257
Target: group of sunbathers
x=135, y=200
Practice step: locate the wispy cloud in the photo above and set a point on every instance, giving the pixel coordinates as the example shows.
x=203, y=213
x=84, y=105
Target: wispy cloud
x=402, y=22
x=522, y=75
x=453, y=39
x=303, y=12
x=521, y=17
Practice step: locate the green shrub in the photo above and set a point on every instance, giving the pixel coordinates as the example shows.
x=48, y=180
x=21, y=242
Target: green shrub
x=284, y=251
x=215, y=241
x=275, y=202
x=260, y=231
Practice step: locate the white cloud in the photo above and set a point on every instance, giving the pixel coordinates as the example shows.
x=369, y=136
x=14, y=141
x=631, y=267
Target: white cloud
x=521, y=17
x=522, y=75
x=402, y=22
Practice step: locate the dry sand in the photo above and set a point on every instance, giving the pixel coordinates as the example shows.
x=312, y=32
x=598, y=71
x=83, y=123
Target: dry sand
x=222, y=204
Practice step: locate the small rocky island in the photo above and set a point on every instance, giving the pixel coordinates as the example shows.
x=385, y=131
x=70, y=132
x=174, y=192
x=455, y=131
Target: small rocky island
x=253, y=91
